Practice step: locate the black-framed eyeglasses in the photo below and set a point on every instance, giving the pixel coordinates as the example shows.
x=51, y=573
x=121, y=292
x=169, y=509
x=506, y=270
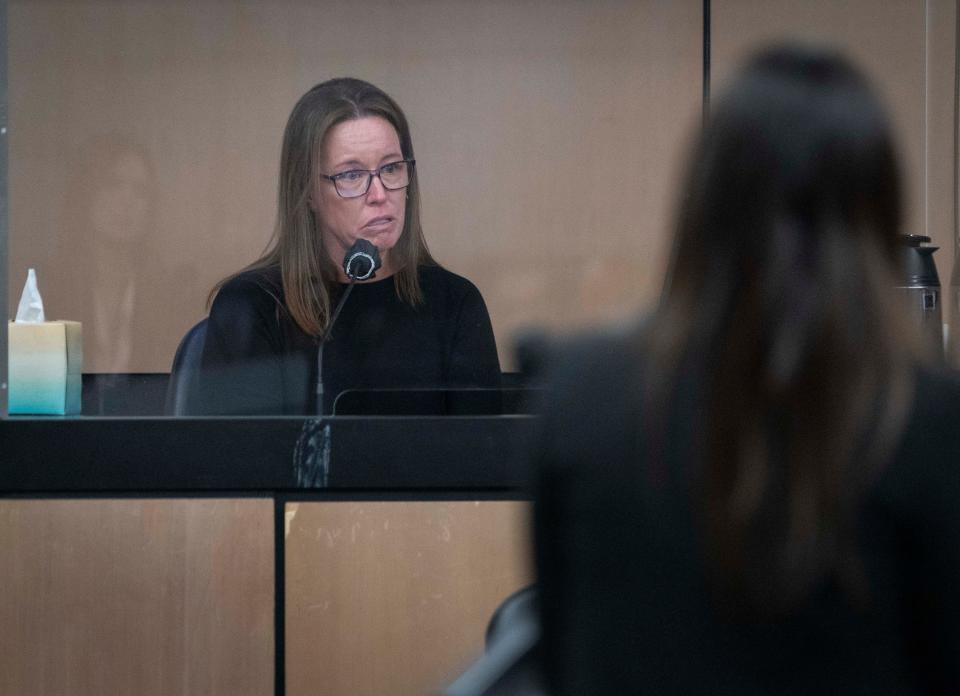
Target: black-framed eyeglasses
x=356, y=182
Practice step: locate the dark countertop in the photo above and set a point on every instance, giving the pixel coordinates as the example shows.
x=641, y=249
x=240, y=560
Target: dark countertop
x=249, y=456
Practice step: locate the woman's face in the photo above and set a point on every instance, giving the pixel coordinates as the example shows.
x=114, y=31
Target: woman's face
x=378, y=215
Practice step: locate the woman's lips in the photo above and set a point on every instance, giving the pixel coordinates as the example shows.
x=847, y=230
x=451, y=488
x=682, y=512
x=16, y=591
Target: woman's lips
x=379, y=222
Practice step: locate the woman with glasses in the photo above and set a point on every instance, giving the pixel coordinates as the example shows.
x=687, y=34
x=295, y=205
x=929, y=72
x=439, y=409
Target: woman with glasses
x=347, y=173
x=757, y=491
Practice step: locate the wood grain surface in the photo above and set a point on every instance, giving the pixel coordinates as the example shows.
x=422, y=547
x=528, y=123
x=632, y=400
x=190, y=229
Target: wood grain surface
x=394, y=598
x=147, y=597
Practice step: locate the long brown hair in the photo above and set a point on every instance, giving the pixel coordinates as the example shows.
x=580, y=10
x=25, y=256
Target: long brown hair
x=779, y=296
x=308, y=275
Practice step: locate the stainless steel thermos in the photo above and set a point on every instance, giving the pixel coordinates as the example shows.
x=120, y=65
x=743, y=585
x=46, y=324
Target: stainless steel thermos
x=921, y=288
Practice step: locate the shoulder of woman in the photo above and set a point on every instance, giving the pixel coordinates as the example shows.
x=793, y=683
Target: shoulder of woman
x=439, y=279
x=933, y=423
x=591, y=392
x=595, y=361
x=936, y=385
x=253, y=289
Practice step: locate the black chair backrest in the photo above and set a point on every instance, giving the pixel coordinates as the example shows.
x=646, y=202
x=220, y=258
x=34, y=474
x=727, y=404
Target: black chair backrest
x=185, y=373
x=510, y=665
x=521, y=606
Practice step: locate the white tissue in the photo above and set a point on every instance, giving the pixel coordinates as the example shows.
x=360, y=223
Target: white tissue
x=30, y=309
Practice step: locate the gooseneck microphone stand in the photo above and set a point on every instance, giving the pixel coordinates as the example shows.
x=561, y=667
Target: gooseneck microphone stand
x=323, y=341
x=359, y=263
x=311, y=456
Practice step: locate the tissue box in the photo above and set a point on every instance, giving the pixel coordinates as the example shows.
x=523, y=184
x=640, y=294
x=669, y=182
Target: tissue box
x=45, y=367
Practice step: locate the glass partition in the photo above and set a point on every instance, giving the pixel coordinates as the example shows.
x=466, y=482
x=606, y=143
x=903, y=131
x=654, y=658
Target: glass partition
x=145, y=156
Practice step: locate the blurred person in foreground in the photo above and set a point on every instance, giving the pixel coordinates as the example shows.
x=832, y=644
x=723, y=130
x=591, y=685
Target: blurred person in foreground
x=758, y=490
x=347, y=173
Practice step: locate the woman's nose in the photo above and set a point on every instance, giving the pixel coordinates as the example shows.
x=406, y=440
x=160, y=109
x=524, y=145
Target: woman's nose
x=376, y=192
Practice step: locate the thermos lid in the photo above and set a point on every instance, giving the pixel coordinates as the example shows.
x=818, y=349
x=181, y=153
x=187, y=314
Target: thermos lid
x=919, y=269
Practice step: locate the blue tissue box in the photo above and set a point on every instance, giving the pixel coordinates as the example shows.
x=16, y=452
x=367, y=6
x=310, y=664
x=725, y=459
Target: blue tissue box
x=45, y=367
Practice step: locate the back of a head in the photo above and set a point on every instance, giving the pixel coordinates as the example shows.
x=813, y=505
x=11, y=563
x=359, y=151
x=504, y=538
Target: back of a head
x=779, y=295
x=798, y=146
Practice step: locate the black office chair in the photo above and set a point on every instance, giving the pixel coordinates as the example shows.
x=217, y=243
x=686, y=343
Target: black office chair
x=182, y=388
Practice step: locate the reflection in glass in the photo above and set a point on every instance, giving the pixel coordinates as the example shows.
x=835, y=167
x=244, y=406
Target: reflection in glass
x=117, y=184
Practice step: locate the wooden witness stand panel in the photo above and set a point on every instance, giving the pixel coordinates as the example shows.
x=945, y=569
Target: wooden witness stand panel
x=144, y=597
x=167, y=596
x=394, y=598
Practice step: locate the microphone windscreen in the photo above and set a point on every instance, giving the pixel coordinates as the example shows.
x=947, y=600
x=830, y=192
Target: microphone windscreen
x=361, y=260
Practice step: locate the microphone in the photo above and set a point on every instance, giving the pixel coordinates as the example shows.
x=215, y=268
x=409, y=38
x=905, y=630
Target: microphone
x=361, y=261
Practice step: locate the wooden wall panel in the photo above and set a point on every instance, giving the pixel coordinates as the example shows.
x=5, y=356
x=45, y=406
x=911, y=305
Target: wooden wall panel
x=942, y=193
x=394, y=598
x=887, y=39
x=151, y=597
x=145, y=143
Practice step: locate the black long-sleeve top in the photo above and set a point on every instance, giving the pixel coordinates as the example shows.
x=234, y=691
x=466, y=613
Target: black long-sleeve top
x=625, y=601
x=256, y=360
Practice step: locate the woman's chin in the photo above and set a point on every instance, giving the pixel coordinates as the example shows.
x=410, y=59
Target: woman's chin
x=384, y=242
